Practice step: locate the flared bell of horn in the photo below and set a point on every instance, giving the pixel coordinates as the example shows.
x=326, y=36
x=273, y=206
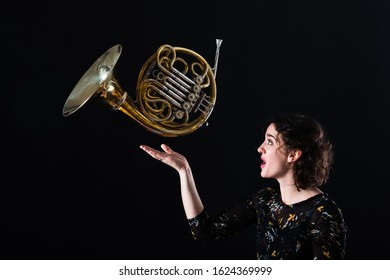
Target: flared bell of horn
x=93, y=80
x=176, y=90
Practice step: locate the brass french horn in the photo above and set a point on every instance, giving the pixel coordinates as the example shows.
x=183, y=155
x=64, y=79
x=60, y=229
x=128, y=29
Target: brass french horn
x=175, y=92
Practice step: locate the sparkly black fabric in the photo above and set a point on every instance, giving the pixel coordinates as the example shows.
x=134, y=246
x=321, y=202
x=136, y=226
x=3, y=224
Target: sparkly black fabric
x=311, y=229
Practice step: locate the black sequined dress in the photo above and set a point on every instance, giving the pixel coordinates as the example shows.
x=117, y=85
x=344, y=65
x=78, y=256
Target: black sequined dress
x=311, y=229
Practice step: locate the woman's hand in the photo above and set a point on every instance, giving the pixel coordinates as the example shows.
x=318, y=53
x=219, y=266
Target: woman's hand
x=167, y=156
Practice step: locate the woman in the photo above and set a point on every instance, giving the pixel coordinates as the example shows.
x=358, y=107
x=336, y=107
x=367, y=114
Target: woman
x=295, y=220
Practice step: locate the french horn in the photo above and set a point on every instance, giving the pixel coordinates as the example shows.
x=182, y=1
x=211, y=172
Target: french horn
x=175, y=91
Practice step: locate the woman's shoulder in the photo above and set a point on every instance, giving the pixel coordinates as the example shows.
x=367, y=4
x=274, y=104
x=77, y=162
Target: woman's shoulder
x=325, y=201
x=328, y=215
x=325, y=206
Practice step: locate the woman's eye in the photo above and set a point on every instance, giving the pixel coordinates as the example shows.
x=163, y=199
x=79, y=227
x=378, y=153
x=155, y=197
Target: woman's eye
x=269, y=142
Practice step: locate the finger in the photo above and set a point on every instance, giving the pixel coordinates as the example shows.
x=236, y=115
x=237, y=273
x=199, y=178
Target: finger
x=144, y=147
x=166, y=149
x=152, y=152
x=149, y=150
x=155, y=155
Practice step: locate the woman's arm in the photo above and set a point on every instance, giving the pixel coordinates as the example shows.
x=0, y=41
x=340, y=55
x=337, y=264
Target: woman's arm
x=192, y=203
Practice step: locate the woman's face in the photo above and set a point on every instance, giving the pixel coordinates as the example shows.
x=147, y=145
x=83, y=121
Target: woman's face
x=273, y=155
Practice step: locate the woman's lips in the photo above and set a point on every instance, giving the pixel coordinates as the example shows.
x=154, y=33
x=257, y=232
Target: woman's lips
x=262, y=164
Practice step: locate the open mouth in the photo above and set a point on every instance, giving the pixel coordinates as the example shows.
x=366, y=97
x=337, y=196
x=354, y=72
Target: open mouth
x=262, y=163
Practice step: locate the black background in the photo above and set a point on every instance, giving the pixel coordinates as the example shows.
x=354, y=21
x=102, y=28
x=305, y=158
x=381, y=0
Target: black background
x=80, y=187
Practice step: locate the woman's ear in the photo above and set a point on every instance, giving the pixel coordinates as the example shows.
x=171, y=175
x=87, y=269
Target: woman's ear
x=294, y=155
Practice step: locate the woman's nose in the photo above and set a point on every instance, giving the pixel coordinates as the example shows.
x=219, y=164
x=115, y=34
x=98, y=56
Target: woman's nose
x=260, y=149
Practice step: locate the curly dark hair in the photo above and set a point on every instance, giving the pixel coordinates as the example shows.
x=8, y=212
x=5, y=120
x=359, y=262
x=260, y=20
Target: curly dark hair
x=301, y=132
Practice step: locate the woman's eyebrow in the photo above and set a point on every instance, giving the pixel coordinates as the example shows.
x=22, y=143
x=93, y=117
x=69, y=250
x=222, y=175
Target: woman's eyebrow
x=270, y=135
